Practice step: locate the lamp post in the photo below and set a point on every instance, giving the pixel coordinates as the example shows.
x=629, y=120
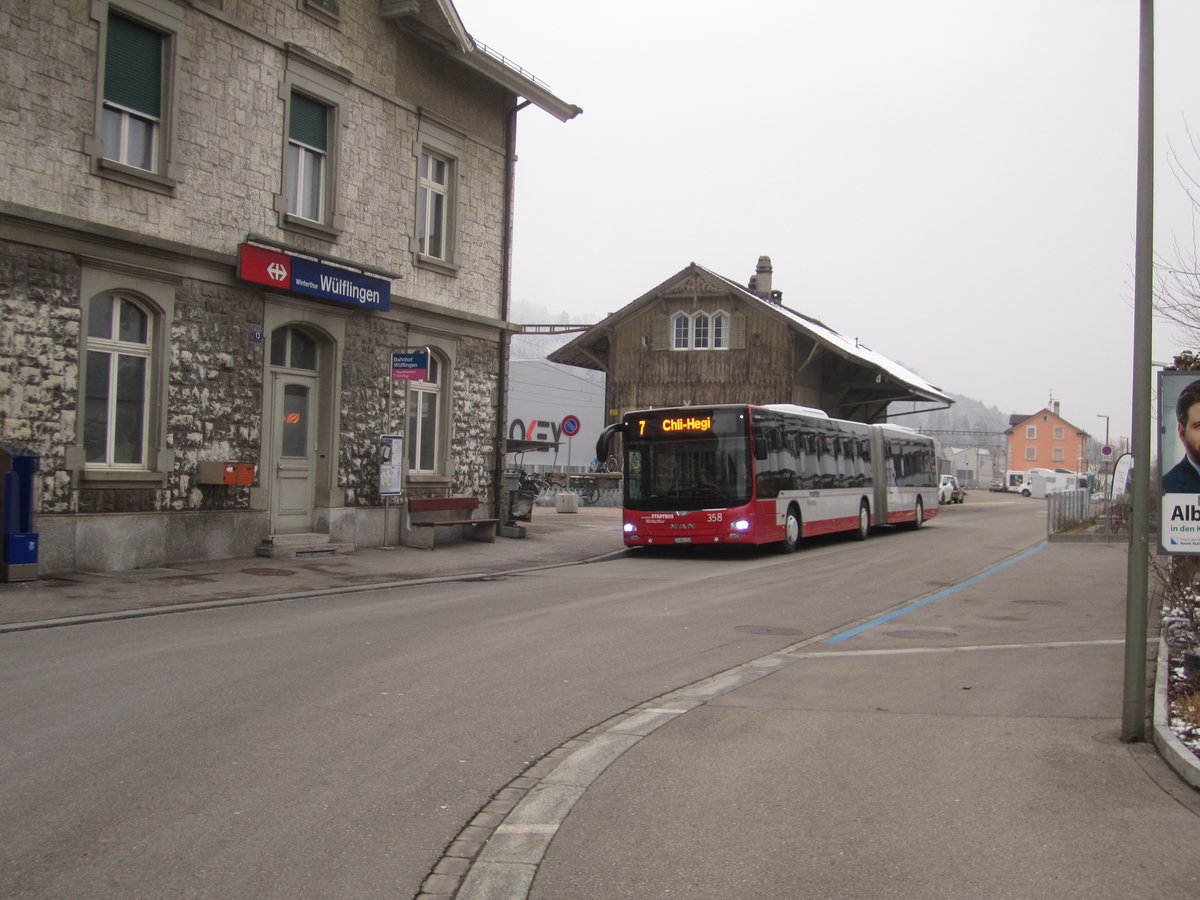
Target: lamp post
x=1137, y=582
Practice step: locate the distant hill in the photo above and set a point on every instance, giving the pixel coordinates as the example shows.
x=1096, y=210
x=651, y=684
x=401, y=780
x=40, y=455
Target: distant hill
x=967, y=417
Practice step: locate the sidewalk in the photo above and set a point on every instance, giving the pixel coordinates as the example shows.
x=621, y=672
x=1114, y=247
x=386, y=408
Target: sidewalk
x=551, y=538
x=968, y=747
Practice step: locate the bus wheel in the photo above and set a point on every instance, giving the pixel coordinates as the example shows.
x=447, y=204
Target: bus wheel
x=920, y=519
x=791, y=532
x=864, y=521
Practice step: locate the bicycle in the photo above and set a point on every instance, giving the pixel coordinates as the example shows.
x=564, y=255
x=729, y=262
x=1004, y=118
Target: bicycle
x=612, y=464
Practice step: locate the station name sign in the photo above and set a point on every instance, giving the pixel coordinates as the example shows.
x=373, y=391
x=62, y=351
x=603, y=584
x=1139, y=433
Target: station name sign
x=302, y=275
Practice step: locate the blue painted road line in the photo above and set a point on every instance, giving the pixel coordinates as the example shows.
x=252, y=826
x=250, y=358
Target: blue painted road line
x=846, y=635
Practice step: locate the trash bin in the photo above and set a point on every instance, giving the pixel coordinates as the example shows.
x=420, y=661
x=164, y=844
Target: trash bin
x=19, y=550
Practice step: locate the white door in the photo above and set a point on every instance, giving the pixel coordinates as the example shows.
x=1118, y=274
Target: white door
x=292, y=466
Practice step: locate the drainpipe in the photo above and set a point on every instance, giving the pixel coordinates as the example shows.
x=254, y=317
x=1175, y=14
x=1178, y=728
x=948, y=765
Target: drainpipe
x=510, y=166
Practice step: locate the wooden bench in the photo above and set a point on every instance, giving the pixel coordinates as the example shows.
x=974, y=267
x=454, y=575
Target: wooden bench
x=447, y=512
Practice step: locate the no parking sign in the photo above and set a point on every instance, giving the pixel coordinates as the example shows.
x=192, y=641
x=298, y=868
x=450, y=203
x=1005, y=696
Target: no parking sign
x=570, y=425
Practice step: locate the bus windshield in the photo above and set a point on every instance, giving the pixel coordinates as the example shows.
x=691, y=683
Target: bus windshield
x=697, y=461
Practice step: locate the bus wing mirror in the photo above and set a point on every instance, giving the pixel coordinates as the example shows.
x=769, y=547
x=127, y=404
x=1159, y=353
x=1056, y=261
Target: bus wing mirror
x=760, y=445
x=604, y=442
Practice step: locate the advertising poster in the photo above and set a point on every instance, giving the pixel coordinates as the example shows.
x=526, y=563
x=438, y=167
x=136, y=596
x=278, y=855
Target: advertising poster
x=391, y=454
x=1179, y=460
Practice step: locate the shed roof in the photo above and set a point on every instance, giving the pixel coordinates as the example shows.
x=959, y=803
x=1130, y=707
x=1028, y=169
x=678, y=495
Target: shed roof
x=580, y=352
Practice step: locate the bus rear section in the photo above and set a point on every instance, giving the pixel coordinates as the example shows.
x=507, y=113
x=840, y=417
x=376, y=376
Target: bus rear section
x=906, y=479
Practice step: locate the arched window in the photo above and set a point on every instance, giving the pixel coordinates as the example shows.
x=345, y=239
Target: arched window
x=425, y=401
x=700, y=331
x=119, y=346
x=682, y=327
x=720, y=331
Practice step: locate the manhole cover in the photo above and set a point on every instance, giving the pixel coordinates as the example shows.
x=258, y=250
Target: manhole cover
x=767, y=629
x=268, y=571
x=921, y=633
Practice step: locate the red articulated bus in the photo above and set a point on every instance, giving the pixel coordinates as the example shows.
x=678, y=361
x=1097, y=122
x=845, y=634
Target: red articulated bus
x=744, y=474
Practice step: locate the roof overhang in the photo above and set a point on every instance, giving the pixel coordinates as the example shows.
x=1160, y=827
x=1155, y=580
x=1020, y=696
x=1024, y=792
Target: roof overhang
x=437, y=22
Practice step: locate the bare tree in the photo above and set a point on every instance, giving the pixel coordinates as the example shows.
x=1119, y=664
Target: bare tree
x=1178, y=295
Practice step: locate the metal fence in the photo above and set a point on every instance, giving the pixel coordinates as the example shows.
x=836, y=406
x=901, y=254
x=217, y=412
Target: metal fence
x=1084, y=513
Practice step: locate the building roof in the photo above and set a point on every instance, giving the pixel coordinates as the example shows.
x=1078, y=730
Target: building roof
x=579, y=352
x=438, y=23
x=1017, y=419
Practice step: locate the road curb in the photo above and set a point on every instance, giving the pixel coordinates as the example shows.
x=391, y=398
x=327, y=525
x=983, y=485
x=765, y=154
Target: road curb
x=1173, y=751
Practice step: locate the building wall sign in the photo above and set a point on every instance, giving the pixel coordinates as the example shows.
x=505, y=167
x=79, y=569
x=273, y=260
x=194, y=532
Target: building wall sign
x=301, y=275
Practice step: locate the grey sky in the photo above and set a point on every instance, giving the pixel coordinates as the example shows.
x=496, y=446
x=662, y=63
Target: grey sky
x=950, y=181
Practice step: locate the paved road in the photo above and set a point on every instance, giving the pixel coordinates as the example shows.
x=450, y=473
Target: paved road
x=333, y=747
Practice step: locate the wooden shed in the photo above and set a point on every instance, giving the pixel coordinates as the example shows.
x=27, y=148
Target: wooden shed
x=700, y=338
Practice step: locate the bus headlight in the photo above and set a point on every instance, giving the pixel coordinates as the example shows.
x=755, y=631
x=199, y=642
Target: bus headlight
x=742, y=525
x=629, y=527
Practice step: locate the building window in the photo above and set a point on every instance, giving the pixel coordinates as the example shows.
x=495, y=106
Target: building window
x=700, y=331
x=292, y=348
x=1058, y=432
x=683, y=331
x=1031, y=453
x=1031, y=432
x=307, y=158
x=720, y=329
x=133, y=82
x=116, y=382
x=433, y=191
x=1058, y=455
x=139, y=62
x=424, y=419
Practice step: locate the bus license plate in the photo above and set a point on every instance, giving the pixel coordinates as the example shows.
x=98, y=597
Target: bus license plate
x=683, y=540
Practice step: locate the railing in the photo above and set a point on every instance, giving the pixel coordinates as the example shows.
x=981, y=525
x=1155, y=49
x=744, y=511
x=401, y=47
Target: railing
x=508, y=63
x=1082, y=513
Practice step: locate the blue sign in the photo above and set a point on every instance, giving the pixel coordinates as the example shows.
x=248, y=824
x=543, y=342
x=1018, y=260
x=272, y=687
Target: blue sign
x=410, y=365
x=341, y=285
x=570, y=426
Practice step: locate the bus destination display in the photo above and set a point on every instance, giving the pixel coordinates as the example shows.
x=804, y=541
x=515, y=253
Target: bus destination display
x=675, y=426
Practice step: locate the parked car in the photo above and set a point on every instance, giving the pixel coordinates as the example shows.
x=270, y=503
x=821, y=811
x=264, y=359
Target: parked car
x=996, y=486
x=949, y=490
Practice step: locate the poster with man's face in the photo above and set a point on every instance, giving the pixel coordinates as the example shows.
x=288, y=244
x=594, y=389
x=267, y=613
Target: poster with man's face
x=1179, y=460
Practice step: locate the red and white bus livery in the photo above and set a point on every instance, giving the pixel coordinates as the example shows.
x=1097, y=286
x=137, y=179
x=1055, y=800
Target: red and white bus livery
x=742, y=474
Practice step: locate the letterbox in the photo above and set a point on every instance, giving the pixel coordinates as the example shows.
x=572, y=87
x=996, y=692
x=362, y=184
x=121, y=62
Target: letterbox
x=18, y=540
x=226, y=472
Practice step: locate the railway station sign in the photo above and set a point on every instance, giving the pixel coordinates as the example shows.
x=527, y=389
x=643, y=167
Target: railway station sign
x=312, y=277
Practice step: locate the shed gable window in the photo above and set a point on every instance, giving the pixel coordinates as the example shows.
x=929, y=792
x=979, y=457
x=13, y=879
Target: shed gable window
x=700, y=331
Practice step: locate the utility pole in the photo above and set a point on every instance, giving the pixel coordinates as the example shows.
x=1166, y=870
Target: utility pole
x=1133, y=718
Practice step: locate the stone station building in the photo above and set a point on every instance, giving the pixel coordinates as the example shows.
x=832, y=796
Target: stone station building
x=220, y=220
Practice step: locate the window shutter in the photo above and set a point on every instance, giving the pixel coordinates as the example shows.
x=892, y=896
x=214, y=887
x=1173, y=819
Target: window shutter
x=737, y=331
x=133, y=66
x=309, y=123
x=660, y=333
